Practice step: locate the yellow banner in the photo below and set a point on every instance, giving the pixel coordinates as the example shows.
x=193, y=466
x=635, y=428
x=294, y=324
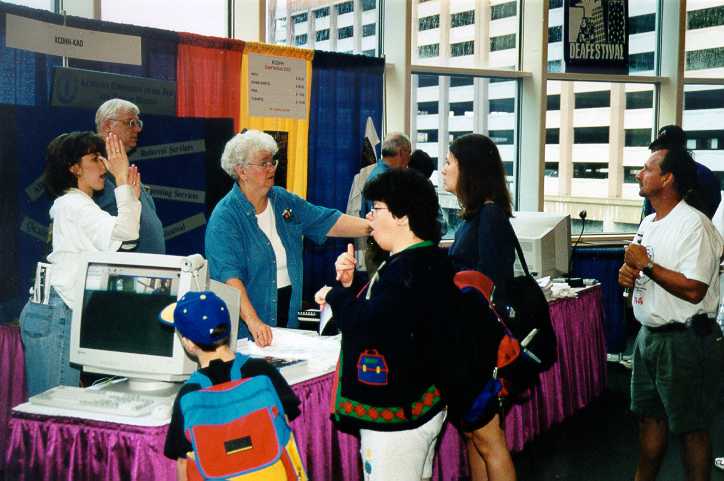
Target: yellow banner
x=297, y=129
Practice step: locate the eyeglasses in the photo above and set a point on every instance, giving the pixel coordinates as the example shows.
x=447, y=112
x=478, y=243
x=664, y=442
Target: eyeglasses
x=131, y=123
x=375, y=209
x=267, y=164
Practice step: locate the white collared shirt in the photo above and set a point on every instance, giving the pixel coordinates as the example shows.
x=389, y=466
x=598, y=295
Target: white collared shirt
x=80, y=226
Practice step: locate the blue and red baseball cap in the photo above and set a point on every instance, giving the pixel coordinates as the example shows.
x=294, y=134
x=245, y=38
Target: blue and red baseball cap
x=201, y=317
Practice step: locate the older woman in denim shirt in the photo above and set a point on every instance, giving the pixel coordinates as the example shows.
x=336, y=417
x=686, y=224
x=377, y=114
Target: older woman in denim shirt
x=254, y=236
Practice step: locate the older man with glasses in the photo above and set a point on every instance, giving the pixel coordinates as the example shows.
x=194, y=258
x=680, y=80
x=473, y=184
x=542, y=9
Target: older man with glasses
x=121, y=117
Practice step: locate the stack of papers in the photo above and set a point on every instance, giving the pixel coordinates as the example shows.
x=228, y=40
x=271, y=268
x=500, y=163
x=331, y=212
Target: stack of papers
x=562, y=289
x=546, y=286
x=556, y=290
x=320, y=352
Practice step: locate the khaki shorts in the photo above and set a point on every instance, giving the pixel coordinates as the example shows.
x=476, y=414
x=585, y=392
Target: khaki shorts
x=677, y=376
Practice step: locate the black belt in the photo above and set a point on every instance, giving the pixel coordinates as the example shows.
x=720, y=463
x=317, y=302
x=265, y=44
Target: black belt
x=701, y=324
x=671, y=327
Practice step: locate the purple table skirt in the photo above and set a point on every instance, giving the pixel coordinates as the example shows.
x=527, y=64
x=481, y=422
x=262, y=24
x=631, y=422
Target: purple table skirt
x=39, y=445
x=12, y=380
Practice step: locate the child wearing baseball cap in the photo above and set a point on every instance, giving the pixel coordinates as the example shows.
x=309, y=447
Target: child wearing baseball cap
x=202, y=321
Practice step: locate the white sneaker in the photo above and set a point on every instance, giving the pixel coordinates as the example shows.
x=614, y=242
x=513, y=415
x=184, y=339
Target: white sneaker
x=719, y=463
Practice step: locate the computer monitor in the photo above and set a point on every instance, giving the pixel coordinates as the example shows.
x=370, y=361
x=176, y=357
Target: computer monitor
x=115, y=328
x=545, y=241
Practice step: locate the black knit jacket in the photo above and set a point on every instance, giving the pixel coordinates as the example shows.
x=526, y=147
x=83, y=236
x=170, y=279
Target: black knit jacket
x=395, y=330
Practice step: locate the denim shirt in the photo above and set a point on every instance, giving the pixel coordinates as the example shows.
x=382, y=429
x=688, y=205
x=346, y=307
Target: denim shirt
x=236, y=247
x=151, y=239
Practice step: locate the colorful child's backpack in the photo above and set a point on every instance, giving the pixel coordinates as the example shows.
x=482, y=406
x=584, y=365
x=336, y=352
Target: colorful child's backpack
x=238, y=430
x=527, y=345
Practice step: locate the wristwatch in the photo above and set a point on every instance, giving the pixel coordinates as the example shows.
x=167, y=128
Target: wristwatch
x=649, y=269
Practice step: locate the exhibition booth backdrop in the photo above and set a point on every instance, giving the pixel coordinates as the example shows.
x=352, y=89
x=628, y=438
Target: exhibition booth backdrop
x=321, y=146
x=209, y=79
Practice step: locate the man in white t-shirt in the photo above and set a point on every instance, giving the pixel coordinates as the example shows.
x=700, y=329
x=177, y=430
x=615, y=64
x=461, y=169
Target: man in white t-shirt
x=673, y=268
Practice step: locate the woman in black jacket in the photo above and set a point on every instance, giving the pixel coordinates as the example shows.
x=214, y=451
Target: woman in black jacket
x=474, y=172
x=390, y=328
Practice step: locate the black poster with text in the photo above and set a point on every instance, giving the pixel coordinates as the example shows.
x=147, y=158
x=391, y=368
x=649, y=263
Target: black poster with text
x=595, y=36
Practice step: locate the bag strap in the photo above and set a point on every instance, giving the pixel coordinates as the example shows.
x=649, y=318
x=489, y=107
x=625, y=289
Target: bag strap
x=519, y=251
x=201, y=379
x=239, y=361
x=235, y=374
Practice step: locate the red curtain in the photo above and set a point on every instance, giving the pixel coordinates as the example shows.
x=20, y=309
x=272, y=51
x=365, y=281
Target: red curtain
x=209, y=77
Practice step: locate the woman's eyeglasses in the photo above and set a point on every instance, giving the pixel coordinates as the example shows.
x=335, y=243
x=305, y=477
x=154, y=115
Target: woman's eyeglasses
x=267, y=164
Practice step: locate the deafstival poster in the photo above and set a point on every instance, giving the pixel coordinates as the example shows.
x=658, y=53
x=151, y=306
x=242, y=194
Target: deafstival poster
x=595, y=36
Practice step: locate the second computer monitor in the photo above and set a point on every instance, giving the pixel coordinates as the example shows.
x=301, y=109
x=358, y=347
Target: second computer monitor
x=545, y=241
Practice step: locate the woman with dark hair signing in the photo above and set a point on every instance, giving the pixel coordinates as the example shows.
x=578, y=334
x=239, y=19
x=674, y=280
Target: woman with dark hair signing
x=390, y=361
x=75, y=169
x=474, y=172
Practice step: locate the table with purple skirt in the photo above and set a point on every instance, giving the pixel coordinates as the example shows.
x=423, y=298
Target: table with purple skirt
x=44, y=448
x=12, y=380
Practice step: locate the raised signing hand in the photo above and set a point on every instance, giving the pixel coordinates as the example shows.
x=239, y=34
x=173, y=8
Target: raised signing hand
x=345, y=266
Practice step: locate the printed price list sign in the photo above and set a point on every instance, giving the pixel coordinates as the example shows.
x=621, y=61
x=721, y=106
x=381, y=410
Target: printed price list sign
x=277, y=87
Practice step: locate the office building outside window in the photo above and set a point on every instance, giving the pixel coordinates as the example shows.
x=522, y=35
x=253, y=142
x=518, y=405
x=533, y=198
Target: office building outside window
x=448, y=107
x=464, y=34
x=597, y=133
x=470, y=33
x=206, y=18
x=349, y=26
x=703, y=116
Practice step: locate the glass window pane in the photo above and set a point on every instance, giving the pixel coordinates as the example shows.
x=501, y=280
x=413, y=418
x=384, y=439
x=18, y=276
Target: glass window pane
x=642, y=37
x=704, y=125
x=342, y=8
x=462, y=18
x=300, y=40
x=428, y=23
x=369, y=5
x=345, y=32
x=704, y=38
x=326, y=25
x=597, y=137
x=41, y=4
x=451, y=106
x=471, y=34
x=205, y=18
x=503, y=10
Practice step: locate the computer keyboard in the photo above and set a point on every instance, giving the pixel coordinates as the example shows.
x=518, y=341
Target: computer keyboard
x=103, y=402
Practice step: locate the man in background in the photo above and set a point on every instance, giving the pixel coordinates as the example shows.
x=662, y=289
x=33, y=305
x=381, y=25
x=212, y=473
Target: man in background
x=678, y=353
x=122, y=118
x=396, y=151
